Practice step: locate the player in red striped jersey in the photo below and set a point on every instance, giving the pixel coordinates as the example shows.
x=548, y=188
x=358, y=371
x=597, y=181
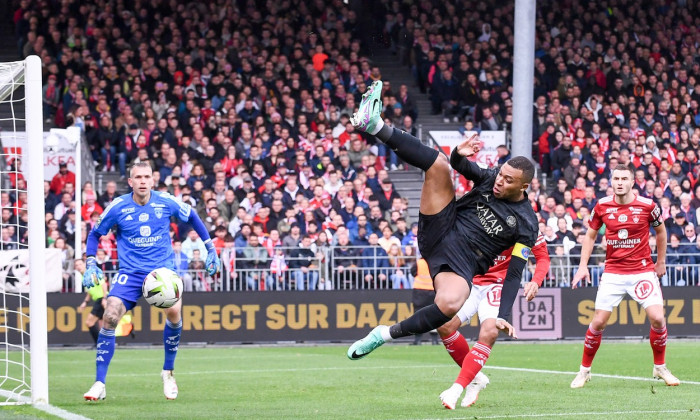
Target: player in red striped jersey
x=629, y=269
x=485, y=300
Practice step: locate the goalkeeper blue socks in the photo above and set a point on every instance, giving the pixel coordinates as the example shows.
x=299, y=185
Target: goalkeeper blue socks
x=171, y=340
x=105, y=351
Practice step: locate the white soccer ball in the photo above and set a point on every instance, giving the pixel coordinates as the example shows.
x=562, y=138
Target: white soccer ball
x=162, y=288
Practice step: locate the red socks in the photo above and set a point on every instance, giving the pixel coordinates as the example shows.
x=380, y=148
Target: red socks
x=473, y=363
x=456, y=345
x=590, y=346
x=657, y=338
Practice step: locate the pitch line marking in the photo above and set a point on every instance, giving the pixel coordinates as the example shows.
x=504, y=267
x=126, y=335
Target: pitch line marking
x=280, y=370
x=47, y=408
x=598, y=375
x=581, y=414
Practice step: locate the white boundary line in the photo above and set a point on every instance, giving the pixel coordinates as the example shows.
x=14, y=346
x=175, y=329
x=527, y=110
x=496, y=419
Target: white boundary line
x=59, y=412
x=543, y=371
x=580, y=414
x=47, y=408
x=598, y=375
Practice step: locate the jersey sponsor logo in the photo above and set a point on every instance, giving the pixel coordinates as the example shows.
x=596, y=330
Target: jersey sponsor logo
x=146, y=241
x=643, y=289
x=612, y=216
x=486, y=197
x=488, y=220
x=143, y=217
x=622, y=218
x=510, y=220
x=624, y=243
x=156, y=205
x=636, y=210
x=129, y=217
x=128, y=210
x=622, y=234
x=145, y=230
x=590, y=218
x=158, y=212
x=611, y=210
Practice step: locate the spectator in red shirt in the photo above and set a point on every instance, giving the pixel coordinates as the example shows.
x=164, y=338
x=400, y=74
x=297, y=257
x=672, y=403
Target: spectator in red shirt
x=90, y=205
x=61, y=178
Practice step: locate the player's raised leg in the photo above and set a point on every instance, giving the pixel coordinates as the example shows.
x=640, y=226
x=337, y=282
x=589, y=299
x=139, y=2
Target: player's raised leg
x=436, y=196
x=657, y=338
x=114, y=311
x=171, y=341
x=451, y=290
x=438, y=189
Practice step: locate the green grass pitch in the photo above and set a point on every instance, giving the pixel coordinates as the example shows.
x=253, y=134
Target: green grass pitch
x=395, y=382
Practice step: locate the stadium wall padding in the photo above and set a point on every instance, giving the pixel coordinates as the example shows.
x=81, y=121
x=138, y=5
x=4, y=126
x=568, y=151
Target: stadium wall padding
x=259, y=317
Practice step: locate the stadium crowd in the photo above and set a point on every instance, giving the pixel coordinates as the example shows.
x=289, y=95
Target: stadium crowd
x=243, y=111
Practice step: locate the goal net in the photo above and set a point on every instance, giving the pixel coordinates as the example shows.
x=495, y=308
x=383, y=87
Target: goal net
x=23, y=333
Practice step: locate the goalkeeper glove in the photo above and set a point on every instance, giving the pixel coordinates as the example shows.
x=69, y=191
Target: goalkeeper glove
x=93, y=274
x=213, y=263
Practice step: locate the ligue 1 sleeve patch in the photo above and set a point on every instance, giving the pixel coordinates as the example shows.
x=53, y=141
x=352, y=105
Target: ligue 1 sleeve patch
x=521, y=251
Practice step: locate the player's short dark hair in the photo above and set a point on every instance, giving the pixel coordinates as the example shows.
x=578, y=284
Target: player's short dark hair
x=525, y=165
x=626, y=167
x=140, y=165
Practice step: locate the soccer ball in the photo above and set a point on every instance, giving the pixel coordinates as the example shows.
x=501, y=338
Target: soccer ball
x=162, y=288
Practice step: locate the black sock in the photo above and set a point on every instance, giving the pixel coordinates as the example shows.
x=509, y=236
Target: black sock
x=94, y=332
x=408, y=148
x=420, y=322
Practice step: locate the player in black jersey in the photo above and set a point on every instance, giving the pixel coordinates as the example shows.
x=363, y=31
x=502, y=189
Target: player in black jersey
x=459, y=239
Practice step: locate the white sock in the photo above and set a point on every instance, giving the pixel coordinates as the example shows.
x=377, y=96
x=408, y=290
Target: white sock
x=384, y=331
x=378, y=127
x=585, y=368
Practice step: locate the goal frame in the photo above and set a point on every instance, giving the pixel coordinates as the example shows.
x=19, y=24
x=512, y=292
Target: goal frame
x=38, y=335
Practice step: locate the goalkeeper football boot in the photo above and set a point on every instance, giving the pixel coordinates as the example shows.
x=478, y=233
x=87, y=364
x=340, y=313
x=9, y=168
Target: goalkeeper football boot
x=365, y=346
x=583, y=376
x=662, y=372
x=472, y=391
x=169, y=384
x=450, y=396
x=97, y=392
x=369, y=112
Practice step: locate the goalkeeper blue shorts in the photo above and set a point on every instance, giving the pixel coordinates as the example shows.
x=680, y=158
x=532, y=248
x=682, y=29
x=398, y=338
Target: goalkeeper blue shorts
x=126, y=285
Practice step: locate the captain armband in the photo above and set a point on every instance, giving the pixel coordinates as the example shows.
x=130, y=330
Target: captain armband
x=656, y=217
x=521, y=251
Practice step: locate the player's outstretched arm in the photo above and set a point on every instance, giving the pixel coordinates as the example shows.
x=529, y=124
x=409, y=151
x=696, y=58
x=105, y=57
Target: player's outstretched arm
x=93, y=274
x=213, y=264
x=661, y=239
x=467, y=168
x=586, y=250
x=542, y=261
x=511, y=284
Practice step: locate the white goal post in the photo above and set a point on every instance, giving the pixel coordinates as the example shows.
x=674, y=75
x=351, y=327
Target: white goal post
x=23, y=352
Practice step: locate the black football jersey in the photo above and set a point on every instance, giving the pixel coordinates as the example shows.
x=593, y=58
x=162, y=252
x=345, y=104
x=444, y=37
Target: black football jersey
x=491, y=225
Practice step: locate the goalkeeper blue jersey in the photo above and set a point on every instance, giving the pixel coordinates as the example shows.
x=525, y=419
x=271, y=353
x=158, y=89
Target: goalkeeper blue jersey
x=143, y=232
